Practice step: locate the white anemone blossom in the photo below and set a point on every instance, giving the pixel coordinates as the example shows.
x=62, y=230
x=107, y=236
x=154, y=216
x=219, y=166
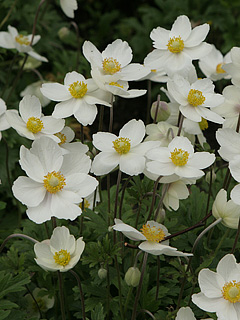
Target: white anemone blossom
x=220, y=291
x=230, y=109
x=212, y=64
x=229, y=141
x=228, y=211
x=233, y=67
x=114, y=62
x=186, y=314
x=56, y=183
x=4, y=125
x=59, y=253
x=179, y=159
x=68, y=7
x=125, y=150
x=31, y=123
x=14, y=40
x=175, y=49
x=195, y=98
x=78, y=96
x=152, y=234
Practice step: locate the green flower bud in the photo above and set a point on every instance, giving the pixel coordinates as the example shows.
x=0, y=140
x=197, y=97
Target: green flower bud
x=132, y=277
x=163, y=112
x=102, y=273
x=63, y=32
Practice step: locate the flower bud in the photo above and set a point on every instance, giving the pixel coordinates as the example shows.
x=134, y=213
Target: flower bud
x=163, y=111
x=102, y=273
x=63, y=32
x=208, y=176
x=161, y=216
x=132, y=277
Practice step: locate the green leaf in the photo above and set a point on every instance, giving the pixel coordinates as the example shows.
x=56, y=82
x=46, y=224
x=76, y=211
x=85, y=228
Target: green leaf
x=6, y=304
x=98, y=313
x=8, y=283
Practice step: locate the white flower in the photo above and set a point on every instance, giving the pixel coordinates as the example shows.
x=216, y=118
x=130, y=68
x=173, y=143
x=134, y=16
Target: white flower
x=114, y=62
x=4, y=125
x=31, y=123
x=230, y=109
x=34, y=89
x=220, y=291
x=162, y=132
x=175, y=191
x=68, y=7
x=78, y=97
x=152, y=234
x=211, y=64
x=176, y=49
x=117, y=88
x=125, y=150
x=56, y=183
x=14, y=40
x=61, y=252
x=227, y=210
x=186, y=314
x=179, y=159
x=229, y=141
x=196, y=98
x=233, y=68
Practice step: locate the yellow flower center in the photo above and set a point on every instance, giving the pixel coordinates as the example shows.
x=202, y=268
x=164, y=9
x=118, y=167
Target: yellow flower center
x=115, y=84
x=203, y=124
x=219, y=68
x=62, y=257
x=78, y=89
x=21, y=39
x=153, y=70
x=86, y=204
x=62, y=137
x=122, y=145
x=34, y=125
x=179, y=157
x=111, y=66
x=54, y=181
x=153, y=233
x=175, y=44
x=195, y=97
x=231, y=291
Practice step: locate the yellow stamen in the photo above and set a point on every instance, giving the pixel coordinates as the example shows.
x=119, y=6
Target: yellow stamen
x=86, y=204
x=62, y=257
x=115, y=84
x=219, y=68
x=122, y=145
x=179, y=157
x=153, y=233
x=175, y=44
x=231, y=291
x=62, y=138
x=78, y=89
x=203, y=124
x=111, y=66
x=195, y=97
x=34, y=125
x=21, y=39
x=153, y=70
x=54, y=181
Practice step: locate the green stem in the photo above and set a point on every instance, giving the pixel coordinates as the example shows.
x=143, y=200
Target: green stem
x=149, y=100
x=236, y=238
x=127, y=300
x=8, y=14
x=111, y=116
x=81, y=293
x=139, y=286
x=119, y=287
x=16, y=235
x=61, y=296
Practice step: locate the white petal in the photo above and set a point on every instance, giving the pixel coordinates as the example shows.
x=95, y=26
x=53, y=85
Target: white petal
x=105, y=162
x=103, y=141
x=181, y=27
x=132, y=164
x=128, y=231
x=134, y=130
x=197, y=35
x=211, y=283
x=29, y=192
x=61, y=239
x=55, y=91
x=86, y=113
x=119, y=50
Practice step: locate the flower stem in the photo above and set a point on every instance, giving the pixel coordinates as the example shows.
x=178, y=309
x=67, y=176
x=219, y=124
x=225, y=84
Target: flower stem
x=139, y=286
x=153, y=197
x=16, y=235
x=180, y=124
x=236, y=238
x=61, y=296
x=81, y=293
x=110, y=128
x=190, y=259
x=78, y=43
x=157, y=108
x=149, y=100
